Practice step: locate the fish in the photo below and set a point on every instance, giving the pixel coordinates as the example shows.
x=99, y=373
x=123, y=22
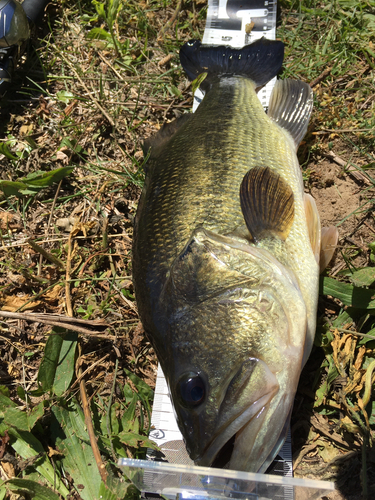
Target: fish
x=226, y=254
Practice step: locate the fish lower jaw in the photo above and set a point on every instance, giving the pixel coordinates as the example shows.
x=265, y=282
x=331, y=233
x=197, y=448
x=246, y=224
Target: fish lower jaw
x=219, y=452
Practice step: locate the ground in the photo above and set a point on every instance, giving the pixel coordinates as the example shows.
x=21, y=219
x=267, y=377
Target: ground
x=98, y=80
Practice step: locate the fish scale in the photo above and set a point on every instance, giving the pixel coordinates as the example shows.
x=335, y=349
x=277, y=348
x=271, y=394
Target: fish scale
x=199, y=183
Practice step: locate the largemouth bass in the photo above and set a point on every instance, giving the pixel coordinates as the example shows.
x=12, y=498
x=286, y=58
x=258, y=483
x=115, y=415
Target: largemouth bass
x=225, y=256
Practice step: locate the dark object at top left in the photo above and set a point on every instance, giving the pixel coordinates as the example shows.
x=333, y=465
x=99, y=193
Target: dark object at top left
x=16, y=26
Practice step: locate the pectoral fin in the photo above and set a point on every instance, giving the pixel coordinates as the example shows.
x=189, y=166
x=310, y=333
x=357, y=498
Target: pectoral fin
x=330, y=236
x=267, y=204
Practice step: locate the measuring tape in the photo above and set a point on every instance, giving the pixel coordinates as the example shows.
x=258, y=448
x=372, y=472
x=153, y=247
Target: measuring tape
x=237, y=23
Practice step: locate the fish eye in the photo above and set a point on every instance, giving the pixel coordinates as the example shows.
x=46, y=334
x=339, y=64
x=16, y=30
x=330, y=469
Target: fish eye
x=191, y=390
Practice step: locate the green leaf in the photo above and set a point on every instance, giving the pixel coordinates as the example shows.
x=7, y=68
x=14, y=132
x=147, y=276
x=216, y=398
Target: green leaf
x=141, y=386
x=36, y=413
x=21, y=393
x=363, y=277
x=16, y=418
x=64, y=96
x=5, y=403
x=66, y=364
x=4, y=391
x=195, y=84
x=98, y=34
x=332, y=374
x=10, y=188
x=72, y=440
x=116, y=489
x=4, y=149
x=56, y=369
x=128, y=416
x=128, y=393
x=28, y=446
x=131, y=439
x=360, y=298
x=48, y=365
x=43, y=179
x=31, y=488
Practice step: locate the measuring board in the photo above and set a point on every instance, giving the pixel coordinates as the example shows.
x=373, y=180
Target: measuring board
x=235, y=23
x=238, y=23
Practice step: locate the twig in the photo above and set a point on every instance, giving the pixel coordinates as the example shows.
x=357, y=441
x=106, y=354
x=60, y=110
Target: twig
x=368, y=225
x=342, y=130
x=108, y=63
x=171, y=21
x=320, y=425
x=102, y=110
x=45, y=254
x=92, y=327
x=343, y=330
x=49, y=225
x=88, y=369
x=305, y=450
x=109, y=427
x=67, y=276
x=321, y=77
x=90, y=428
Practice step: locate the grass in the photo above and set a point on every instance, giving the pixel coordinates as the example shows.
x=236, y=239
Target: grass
x=102, y=77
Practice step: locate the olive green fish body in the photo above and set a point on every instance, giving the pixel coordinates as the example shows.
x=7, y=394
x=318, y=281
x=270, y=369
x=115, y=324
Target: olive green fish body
x=225, y=275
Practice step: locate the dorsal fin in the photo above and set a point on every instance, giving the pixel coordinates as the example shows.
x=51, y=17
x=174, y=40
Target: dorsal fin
x=156, y=143
x=267, y=204
x=290, y=107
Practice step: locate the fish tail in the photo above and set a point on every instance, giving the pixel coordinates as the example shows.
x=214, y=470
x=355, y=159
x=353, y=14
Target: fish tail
x=260, y=61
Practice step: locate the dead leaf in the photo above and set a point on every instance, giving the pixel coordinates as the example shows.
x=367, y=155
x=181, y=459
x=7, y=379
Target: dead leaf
x=9, y=221
x=13, y=371
x=60, y=155
x=356, y=384
x=343, y=351
x=360, y=355
x=348, y=425
x=53, y=294
x=65, y=223
x=8, y=469
x=52, y=452
x=328, y=452
x=3, y=443
x=26, y=129
x=12, y=303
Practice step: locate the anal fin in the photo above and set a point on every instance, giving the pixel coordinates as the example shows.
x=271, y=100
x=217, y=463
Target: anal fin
x=159, y=141
x=313, y=225
x=330, y=237
x=267, y=204
x=323, y=240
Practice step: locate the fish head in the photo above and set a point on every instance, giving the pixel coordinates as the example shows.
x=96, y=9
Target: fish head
x=235, y=324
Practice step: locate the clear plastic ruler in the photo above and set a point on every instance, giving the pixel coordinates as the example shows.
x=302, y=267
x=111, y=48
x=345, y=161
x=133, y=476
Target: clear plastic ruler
x=238, y=23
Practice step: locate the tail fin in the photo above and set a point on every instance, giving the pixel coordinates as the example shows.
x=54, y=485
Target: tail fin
x=259, y=61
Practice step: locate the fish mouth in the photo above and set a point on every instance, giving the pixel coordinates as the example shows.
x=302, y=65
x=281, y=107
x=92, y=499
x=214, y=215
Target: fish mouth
x=220, y=451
